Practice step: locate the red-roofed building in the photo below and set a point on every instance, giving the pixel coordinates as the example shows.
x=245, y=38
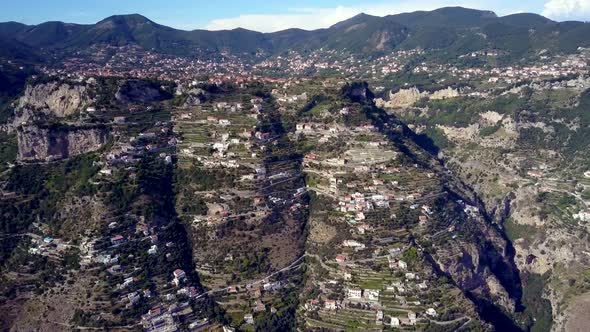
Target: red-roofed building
x=117, y=239
x=179, y=274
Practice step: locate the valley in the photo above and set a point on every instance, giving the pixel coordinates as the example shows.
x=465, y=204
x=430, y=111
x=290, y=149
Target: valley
x=368, y=176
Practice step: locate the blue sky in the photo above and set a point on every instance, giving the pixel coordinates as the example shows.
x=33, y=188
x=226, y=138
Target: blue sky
x=264, y=15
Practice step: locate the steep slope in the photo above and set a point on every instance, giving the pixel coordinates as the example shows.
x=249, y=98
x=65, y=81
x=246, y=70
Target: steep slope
x=384, y=213
x=526, y=19
x=524, y=152
x=365, y=33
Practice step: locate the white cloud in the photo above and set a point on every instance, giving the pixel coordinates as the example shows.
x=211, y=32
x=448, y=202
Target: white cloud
x=315, y=18
x=305, y=18
x=567, y=9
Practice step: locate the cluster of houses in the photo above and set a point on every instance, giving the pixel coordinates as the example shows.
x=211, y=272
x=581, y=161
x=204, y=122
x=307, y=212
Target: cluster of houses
x=547, y=68
x=350, y=180
x=229, y=145
x=235, y=148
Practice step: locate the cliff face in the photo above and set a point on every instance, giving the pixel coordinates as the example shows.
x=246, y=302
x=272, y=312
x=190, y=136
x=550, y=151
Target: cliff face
x=55, y=101
x=445, y=93
x=137, y=91
x=36, y=143
x=60, y=100
x=408, y=97
x=195, y=97
x=461, y=241
x=480, y=264
x=405, y=97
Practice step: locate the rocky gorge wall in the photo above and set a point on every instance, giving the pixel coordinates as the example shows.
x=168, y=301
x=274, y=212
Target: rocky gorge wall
x=59, y=99
x=408, y=97
x=35, y=143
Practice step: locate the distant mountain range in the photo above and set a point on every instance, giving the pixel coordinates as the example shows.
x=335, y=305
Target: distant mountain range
x=453, y=29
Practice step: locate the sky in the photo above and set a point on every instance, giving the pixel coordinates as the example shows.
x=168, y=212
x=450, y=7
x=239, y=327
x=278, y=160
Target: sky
x=265, y=15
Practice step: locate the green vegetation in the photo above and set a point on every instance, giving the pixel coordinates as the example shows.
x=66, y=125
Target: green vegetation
x=71, y=259
x=573, y=143
x=433, y=140
x=285, y=318
x=537, y=316
x=556, y=204
x=489, y=131
x=8, y=148
x=6, y=111
x=205, y=179
x=517, y=231
x=12, y=78
x=410, y=255
x=44, y=187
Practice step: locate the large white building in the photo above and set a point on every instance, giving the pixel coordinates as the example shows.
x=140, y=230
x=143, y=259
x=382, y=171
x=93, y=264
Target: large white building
x=392, y=321
x=355, y=293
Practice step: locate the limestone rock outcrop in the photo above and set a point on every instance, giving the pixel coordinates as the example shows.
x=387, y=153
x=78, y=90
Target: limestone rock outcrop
x=408, y=97
x=445, y=93
x=58, y=99
x=45, y=144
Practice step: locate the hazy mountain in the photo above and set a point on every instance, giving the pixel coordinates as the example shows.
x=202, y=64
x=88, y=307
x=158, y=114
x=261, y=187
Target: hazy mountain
x=454, y=29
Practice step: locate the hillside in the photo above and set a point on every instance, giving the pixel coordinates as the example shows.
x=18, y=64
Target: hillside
x=425, y=171
x=452, y=29
x=259, y=207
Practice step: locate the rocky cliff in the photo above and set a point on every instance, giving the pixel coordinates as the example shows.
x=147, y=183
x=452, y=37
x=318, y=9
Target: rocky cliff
x=403, y=98
x=445, y=93
x=408, y=97
x=138, y=91
x=195, y=97
x=58, y=99
x=35, y=143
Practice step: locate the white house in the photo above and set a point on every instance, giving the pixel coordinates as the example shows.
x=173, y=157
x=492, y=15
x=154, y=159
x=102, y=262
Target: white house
x=330, y=305
x=582, y=215
x=431, y=312
x=392, y=321
x=379, y=317
x=179, y=274
x=371, y=294
x=355, y=293
x=402, y=265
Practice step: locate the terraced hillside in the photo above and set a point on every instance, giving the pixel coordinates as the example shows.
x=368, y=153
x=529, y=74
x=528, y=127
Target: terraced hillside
x=523, y=149
x=241, y=192
x=223, y=206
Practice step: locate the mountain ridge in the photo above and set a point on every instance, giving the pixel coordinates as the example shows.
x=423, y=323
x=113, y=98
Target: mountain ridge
x=446, y=29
